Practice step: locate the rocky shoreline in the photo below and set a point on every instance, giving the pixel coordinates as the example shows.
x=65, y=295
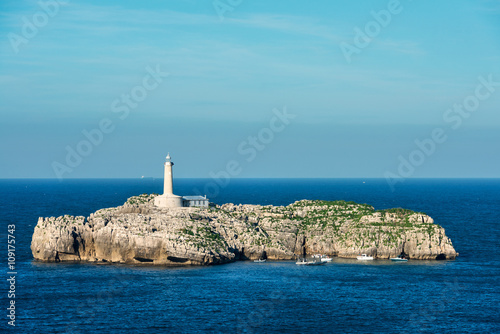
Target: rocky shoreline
x=138, y=232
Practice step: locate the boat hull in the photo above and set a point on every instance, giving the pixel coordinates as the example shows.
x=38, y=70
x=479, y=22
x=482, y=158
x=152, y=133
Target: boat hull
x=312, y=263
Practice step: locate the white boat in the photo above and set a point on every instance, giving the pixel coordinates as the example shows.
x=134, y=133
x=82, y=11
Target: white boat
x=364, y=257
x=303, y=262
x=399, y=259
x=316, y=263
x=260, y=261
x=323, y=258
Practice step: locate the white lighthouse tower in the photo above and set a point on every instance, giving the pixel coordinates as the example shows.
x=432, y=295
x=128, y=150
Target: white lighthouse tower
x=168, y=179
x=168, y=199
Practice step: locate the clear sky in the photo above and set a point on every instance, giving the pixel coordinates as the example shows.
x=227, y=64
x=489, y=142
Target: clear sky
x=69, y=67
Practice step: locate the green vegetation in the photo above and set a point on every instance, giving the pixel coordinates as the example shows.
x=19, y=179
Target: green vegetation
x=141, y=199
x=187, y=231
x=355, y=224
x=203, y=237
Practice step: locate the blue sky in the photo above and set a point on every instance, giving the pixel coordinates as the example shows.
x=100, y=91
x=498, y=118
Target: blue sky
x=226, y=76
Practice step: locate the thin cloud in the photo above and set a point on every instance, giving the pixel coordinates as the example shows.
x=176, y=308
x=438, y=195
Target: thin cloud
x=401, y=46
x=289, y=24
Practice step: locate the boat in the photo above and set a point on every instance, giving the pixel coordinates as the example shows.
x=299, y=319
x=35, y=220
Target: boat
x=304, y=262
x=316, y=263
x=364, y=257
x=323, y=258
x=260, y=260
x=399, y=258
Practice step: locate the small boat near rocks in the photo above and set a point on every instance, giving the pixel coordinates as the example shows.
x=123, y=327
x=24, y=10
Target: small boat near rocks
x=260, y=260
x=304, y=262
x=323, y=258
x=399, y=258
x=364, y=257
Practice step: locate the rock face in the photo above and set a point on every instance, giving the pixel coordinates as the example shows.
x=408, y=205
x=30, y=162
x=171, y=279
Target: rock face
x=139, y=232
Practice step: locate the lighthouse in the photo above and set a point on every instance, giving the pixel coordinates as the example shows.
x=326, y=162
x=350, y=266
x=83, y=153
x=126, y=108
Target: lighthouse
x=168, y=180
x=168, y=199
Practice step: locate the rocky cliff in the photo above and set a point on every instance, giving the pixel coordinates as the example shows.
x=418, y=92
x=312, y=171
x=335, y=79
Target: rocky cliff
x=139, y=232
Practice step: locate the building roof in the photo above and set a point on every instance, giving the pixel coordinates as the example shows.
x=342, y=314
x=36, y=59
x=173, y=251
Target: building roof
x=194, y=198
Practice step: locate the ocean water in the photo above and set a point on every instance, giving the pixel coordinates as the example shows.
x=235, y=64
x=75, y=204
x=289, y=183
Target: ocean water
x=344, y=296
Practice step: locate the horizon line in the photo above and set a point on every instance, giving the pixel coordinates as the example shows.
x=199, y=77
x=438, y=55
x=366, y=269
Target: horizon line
x=250, y=178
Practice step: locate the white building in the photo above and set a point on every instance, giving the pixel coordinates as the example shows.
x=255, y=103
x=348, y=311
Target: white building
x=168, y=199
x=190, y=201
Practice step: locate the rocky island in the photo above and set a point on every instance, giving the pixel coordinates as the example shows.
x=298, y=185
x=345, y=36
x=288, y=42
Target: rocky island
x=140, y=232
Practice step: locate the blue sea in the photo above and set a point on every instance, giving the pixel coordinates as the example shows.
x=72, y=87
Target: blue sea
x=459, y=296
